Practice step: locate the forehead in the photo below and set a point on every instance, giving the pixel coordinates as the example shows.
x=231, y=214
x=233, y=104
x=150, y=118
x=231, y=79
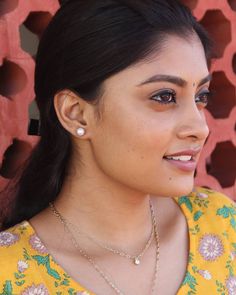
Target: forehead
x=180, y=57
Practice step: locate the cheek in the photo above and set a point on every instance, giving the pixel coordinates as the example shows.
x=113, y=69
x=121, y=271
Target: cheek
x=132, y=145
x=130, y=149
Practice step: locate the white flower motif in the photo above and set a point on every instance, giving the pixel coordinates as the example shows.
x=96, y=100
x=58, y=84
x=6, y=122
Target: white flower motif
x=210, y=247
x=233, y=255
x=22, y=265
x=7, y=238
x=231, y=285
x=205, y=273
x=202, y=195
x=37, y=245
x=24, y=223
x=35, y=290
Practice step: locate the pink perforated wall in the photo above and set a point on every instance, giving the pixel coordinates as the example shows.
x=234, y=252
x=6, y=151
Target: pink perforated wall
x=217, y=167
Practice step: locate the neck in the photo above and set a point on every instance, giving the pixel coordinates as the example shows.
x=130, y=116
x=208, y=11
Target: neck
x=106, y=211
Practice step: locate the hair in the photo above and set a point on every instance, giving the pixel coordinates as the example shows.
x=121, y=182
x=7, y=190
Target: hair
x=85, y=43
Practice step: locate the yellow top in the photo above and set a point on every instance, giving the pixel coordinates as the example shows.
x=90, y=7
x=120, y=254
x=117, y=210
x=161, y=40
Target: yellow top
x=26, y=267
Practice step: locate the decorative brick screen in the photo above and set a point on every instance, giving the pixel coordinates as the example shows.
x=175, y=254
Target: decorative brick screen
x=217, y=167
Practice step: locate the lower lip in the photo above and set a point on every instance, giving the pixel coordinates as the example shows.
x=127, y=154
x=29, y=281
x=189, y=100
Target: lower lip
x=189, y=166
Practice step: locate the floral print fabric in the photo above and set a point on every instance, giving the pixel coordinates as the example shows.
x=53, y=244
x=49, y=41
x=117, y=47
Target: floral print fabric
x=27, y=268
x=211, y=218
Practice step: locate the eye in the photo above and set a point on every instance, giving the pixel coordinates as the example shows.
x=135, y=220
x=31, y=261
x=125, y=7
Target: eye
x=203, y=97
x=165, y=96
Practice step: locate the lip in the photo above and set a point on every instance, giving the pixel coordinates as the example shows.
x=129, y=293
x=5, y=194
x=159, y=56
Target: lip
x=188, y=166
x=189, y=152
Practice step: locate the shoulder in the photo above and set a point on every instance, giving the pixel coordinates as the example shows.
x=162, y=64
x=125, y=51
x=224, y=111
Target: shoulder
x=14, y=246
x=20, y=242
x=25, y=264
x=214, y=200
x=211, y=218
x=215, y=197
x=13, y=238
x=206, y=199
x=210, y=210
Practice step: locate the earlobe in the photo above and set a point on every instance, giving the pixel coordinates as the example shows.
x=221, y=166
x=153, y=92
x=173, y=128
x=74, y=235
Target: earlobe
x=80, y=131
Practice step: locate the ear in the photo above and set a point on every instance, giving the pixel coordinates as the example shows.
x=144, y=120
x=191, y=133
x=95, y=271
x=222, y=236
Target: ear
x=72, y=112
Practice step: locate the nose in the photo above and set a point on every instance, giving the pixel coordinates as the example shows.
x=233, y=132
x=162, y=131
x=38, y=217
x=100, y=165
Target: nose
x=193, y=124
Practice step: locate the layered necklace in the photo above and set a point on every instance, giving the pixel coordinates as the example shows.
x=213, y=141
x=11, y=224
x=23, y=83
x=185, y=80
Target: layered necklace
x=135, y=258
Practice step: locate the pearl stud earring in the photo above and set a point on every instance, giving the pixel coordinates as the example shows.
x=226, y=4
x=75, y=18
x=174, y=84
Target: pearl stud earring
x=80, y=131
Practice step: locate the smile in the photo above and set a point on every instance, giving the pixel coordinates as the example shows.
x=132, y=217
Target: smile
x=179, y=158
x=184, y=163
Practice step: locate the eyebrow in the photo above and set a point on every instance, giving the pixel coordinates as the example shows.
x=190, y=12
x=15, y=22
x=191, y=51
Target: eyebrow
x=173, y=79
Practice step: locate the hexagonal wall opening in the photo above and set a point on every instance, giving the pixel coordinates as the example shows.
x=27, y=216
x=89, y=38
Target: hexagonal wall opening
x=13, y=79
x=29, y=41
x=14, y=157
x=232, y=4
x=234, y=63
x=222, y=163
x=223, y=99
x=32, y=29
x=219, y=28
x=7, y=6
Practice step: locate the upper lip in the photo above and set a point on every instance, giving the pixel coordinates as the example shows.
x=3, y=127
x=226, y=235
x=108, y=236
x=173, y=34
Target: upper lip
x=189, y=152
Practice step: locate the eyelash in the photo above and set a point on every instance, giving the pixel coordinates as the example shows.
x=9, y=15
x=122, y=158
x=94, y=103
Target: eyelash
x=169, y=92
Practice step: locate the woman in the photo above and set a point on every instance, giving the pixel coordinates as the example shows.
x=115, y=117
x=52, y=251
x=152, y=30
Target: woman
x=107, y=203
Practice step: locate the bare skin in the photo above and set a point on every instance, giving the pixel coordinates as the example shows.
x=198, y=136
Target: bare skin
x=107, y=194
x=174, y=245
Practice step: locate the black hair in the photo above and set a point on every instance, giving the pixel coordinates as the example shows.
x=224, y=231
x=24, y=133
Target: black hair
x=85, y=43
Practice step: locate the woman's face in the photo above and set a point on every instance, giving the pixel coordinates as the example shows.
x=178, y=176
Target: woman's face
x=152, y=110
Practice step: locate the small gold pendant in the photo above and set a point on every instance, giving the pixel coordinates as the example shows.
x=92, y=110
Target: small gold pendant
x=136, y=261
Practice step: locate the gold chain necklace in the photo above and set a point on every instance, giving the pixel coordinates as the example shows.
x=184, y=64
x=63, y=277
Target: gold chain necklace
x=95, y=265
x=136, y=259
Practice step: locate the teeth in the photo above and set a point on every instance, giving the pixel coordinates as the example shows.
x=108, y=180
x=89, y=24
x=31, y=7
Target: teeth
x=180, y=158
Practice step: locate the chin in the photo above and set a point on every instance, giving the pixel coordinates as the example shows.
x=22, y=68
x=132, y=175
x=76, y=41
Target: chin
x=182, y=188
x=177, y=188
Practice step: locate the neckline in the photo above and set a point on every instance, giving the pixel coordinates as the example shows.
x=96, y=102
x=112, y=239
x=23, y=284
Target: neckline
x=191, y=250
